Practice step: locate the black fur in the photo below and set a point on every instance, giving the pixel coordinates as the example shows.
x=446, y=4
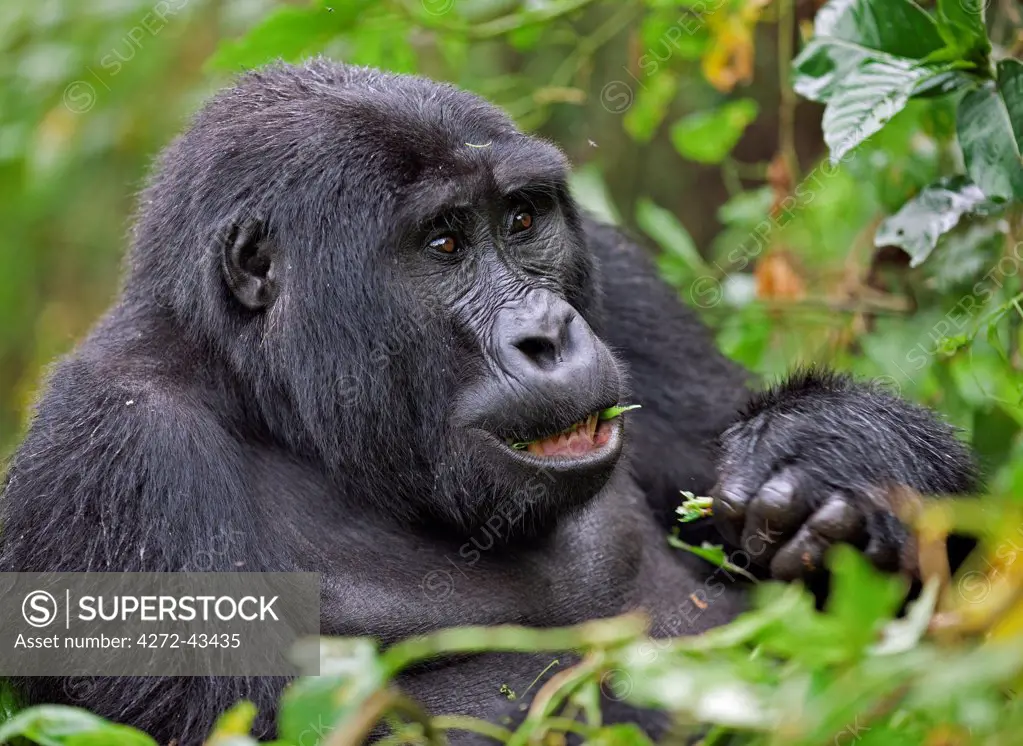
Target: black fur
x=293, y=379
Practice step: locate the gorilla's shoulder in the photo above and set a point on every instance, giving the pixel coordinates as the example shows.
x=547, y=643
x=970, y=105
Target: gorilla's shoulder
x=128, y=387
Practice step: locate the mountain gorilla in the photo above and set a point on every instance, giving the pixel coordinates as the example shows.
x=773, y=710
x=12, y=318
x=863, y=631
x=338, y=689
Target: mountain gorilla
x=366, y=332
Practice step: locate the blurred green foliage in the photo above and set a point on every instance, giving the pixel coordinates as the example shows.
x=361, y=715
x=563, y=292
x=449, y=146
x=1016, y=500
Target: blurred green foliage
x=89, y=92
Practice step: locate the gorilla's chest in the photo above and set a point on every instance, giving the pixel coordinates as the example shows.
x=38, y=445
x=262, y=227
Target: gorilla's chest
x=604, y=560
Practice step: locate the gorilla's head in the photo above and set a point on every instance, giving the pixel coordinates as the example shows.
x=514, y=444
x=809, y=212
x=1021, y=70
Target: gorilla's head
x=395, y=284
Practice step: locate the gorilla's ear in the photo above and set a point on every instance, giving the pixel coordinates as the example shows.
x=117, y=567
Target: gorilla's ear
x=249, y=261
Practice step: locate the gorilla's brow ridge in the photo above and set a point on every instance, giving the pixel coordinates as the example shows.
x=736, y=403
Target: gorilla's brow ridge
x=510, y=176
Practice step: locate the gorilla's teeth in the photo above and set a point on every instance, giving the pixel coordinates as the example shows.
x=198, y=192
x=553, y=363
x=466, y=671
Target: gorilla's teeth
x=573, y=440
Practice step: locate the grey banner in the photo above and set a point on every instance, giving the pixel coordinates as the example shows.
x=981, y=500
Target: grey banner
x=155, y=624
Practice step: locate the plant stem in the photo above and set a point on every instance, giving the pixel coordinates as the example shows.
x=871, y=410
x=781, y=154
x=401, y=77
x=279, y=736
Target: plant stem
x=509, y=638
x=788, y=98
x=513, y=21
x=568, y=725
x=473, y=725
x=550, y=697
x=356, y=730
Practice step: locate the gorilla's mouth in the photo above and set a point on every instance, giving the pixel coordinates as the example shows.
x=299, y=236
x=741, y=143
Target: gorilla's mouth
x=578, y=439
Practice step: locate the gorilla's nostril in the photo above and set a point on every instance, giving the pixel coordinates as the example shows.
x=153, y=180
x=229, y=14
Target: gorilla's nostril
x=542, y=352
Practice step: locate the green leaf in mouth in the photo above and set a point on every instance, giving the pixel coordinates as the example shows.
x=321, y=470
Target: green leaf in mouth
x=611, y=412
x=608, y=414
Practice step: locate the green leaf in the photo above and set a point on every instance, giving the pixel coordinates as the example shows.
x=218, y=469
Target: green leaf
x=650, y=106
x=923, y=220
x=747, y=209
x=849, y=33
x=611, y=412
x=1010, y=86
x=990, y=127
x=9, y=701
x=901, y=635
x=962, y=22
x=965, y=254
x=589, y=189
x=897, y=27
x=234, y=727
x=55, y=725
x=867, y=100
x=350, y=672
x=862, y=598
x=289, y=33
x=712, y=553
x=622, y=734
x=664, y=228
x=710, y=136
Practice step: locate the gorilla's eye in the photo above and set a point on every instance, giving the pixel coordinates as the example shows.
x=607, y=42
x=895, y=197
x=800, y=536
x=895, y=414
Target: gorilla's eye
x=444, y=244
x=521, y=221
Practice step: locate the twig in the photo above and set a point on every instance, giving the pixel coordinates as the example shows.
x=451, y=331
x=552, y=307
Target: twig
x=356, y=730
x=473, y=725
x=892, y=304
x=568, y=725
x=552, y=694
x=788, y=100
x=602, y=633
x=513, y=21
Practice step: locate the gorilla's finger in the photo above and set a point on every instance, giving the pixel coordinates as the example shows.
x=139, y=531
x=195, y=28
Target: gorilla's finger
x=887, y=537
x=738, y=485
x=802, y=556
x=839, y=520
x=774, y=515
x=731, y=499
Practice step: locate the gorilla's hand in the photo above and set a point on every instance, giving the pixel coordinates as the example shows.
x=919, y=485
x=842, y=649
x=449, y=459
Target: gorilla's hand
x=811, y=462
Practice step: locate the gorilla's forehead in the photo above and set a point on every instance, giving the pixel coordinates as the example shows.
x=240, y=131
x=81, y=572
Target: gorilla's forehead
x=413, y=132
x=437, y=141
x=338, y=138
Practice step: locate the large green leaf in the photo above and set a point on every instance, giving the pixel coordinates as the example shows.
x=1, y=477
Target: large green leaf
x=930, y=215
x=898, y=27
x=55, y=725
x=1010, y=86
x=867, y=99
x=990, y=127
x=848, y=33
x=709, y=136
x=962, y=22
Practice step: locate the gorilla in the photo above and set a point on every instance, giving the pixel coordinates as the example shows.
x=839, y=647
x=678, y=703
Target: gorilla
x=365, y=331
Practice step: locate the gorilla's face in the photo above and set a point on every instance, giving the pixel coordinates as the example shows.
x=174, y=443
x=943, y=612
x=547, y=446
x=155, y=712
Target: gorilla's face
x=501, y=259
x=490, y=263
x=409, y=297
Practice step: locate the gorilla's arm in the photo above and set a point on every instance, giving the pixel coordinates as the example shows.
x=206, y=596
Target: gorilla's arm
x=800, y=466
x=115, y=474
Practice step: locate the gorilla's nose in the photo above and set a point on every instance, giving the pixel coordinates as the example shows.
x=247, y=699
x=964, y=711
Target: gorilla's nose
x=544, y=338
